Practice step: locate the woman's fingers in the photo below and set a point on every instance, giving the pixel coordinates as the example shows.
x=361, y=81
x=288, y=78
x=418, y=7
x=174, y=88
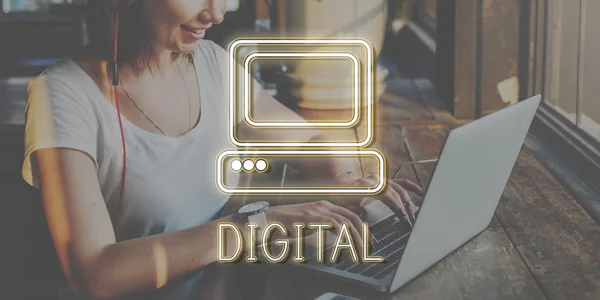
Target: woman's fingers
x=337, y=221
x=409, y=185
x=356, y=221
x=410, y=207
x=397, y=198
x=394, y=202
x=322, y=211
x=342, y=215
x=348, y=214
x=389, y=197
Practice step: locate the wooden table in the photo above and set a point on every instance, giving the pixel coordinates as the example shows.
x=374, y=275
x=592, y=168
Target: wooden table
x=540, y=244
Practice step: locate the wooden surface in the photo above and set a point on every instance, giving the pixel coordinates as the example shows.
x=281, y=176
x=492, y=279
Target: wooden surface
x=540, y=244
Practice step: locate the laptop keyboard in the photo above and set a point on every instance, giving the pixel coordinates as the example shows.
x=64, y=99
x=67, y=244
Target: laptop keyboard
x=340, y=297
x=392, y=237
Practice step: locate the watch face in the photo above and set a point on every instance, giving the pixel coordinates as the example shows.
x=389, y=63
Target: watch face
x=254, y=208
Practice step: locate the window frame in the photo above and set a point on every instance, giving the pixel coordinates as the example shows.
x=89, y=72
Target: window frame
x=21, y=12
x=577, y=101
x=573, y=146
x=33, y=16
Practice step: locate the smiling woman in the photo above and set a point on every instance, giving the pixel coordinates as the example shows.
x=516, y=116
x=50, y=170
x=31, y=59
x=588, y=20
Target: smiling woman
x=144, y=23
x=150, y=234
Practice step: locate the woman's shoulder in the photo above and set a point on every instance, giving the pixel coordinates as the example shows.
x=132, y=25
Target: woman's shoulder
x=64, y=75
x=63, y=86
x=63, y=69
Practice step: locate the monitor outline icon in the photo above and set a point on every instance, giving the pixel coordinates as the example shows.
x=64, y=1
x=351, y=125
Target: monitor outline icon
x=307, y=148
x=303, y=191
x=233, y=74
x=356, y=88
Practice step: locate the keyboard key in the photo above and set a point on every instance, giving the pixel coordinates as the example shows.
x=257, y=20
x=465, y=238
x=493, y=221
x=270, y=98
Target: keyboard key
x=385, y=223
x=345, y=264
x=392, y=235
x=391, y=268
x=340, y=297
x=403, y=226
x=385, y=232
x=395, y=232
x=395, y=257
x=389, y=245
x=359, y=267
x=392, y=238
x=376, y=268
x=387, y=250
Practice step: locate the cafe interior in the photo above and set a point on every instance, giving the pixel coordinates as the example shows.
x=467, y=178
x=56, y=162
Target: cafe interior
x=440, y=64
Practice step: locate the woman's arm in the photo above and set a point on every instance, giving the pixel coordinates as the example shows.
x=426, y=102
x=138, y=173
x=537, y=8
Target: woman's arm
x=96, y=266
x=93, y=263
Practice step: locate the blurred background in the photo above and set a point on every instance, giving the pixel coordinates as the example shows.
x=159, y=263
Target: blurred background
x=475, y=56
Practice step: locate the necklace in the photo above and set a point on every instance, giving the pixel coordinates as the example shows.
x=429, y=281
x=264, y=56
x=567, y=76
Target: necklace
x=187, y=94
x=148, y=117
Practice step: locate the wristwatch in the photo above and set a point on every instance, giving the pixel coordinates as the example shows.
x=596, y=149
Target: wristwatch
x=255, y=213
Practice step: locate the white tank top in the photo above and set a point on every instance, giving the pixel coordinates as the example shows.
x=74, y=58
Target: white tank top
x=170, y=182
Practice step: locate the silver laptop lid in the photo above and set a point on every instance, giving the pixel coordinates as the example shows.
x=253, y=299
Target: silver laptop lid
x=467, y=184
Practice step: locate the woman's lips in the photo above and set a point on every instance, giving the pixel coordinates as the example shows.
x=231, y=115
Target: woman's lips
x=196, y=29
x=195, y=33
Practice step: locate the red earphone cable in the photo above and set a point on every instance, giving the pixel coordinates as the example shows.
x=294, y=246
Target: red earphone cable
x=116, y=91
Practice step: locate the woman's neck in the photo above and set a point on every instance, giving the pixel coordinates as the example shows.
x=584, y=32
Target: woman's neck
x=161, y=67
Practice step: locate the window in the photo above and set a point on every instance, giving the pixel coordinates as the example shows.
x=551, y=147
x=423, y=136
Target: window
x=9, y=6
x=564, y=66
x=572, y=72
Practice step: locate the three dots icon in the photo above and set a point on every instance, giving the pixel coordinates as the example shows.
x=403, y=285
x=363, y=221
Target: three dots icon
x=249, y=165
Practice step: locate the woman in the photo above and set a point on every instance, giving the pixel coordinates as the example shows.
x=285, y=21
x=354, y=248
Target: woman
x=174, y=109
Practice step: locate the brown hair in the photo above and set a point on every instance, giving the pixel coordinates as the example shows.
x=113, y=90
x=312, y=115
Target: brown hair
x=135, y=39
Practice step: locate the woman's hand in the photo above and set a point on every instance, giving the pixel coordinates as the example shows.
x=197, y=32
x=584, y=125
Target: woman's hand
x=312, y=212
x=395, y=196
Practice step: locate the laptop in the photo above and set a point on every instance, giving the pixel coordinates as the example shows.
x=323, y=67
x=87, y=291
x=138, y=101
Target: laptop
x=467, y=184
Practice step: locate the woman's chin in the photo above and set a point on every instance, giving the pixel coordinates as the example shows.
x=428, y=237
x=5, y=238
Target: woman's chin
x=189, y=48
